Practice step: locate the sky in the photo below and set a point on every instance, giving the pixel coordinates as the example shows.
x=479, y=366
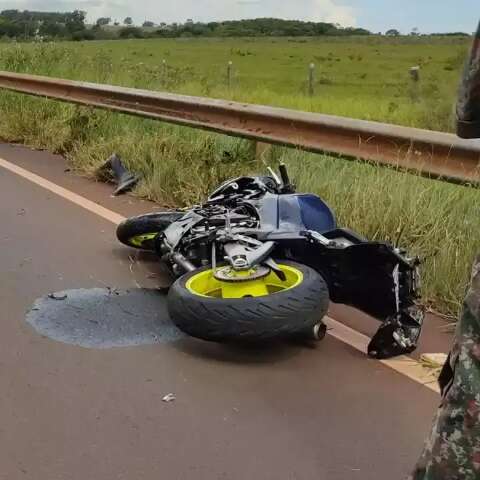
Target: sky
x=376, y=15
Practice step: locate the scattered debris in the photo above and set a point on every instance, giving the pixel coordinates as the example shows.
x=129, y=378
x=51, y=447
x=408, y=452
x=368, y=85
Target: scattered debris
x=113, y=290
x=450, y=320
x=133, y=262
x=125, y=180
x=25, y=261
x=169, y=398
x=57, y=296
x=433, y=360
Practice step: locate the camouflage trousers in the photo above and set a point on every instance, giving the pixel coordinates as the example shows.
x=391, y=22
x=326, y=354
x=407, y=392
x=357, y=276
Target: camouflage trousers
x=453, y=450
x=468, y=105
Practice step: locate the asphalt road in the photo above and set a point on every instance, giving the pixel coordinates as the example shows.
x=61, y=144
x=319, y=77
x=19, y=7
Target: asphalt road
x=67, y=412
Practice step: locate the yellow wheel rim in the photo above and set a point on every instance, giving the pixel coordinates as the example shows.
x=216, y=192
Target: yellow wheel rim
x=204, y=284
x=139, y=240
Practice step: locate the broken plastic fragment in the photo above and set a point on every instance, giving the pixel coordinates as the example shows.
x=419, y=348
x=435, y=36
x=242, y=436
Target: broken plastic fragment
x=58, y=296
x=169, y=398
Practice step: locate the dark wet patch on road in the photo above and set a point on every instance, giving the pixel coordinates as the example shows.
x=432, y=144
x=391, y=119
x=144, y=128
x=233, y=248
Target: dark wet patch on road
x=104, y=318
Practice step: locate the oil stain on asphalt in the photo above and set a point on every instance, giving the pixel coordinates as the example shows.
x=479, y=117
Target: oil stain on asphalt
x=104, y=318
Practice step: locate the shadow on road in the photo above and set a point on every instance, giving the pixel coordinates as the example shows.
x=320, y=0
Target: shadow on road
x=271, y=352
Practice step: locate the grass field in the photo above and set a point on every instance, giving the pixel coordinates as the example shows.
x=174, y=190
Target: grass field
x=360, y=77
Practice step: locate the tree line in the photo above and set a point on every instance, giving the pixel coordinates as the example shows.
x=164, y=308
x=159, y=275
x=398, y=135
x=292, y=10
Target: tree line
x=259, y=27
x=16, y=24
x=71, y=25
x=29, y=24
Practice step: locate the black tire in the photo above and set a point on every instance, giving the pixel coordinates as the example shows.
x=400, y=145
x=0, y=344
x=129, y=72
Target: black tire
x=282, y=314
x=149, y=224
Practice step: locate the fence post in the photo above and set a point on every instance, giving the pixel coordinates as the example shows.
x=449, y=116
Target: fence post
x=311, y=80
x=415, y=73
x=415, y=77
x=164, y=70
x=229, y=74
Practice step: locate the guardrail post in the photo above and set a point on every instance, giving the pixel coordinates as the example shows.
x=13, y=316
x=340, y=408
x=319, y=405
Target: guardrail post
x=311, y=79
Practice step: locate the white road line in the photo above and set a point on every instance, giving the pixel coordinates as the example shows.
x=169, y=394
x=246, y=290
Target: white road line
x=403, y=365
x=64, y=193
x=407, y=366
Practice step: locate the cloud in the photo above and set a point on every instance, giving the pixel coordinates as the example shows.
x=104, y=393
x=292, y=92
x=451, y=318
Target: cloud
x=198, y=10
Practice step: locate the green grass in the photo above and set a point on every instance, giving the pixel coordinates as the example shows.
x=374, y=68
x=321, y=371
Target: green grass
x=363, y=78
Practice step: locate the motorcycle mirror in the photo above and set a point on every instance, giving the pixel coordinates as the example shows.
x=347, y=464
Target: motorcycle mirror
x=287, y=186
x=468, y=105
x=284, y=174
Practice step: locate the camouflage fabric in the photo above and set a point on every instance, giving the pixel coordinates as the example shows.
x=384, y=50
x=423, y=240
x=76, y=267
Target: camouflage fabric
x=453, y=450
x=468, y=106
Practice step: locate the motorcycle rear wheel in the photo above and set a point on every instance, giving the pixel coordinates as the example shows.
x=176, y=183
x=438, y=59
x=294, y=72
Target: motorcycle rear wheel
x=253, y=313
x=140, y=232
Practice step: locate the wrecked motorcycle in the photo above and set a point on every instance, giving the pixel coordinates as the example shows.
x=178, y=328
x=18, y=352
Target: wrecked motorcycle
x=258, y=261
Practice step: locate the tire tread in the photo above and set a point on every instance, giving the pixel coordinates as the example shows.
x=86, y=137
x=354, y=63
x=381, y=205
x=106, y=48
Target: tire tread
x=261, y=318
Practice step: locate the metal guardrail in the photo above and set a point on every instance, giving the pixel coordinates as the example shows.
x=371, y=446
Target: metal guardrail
x=436, y=154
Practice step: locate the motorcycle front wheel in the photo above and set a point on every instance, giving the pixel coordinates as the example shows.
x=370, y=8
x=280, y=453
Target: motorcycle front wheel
x=140, y=232
x=255, y=310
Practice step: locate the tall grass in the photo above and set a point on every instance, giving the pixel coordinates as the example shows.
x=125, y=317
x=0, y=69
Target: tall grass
x=362, y=78
x=437, y=221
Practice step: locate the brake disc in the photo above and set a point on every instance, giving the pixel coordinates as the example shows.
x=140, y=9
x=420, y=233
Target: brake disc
x=229, y=274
